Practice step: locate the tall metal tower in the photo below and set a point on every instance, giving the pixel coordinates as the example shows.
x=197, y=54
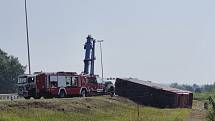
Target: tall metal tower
x=89, y=55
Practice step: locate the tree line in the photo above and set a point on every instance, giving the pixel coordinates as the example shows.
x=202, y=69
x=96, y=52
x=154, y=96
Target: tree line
x=10, y=68
x=195, y=87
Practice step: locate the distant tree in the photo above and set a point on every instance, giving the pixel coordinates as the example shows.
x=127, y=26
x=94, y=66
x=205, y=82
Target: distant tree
x=196, y=88
x=10, y=68
x=174, y=85
x=208, y=88
x=187, y=87
x=183, y=87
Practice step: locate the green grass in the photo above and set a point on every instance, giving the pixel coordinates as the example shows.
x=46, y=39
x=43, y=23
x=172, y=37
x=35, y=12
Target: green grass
x=86, y=109
x=203, y=96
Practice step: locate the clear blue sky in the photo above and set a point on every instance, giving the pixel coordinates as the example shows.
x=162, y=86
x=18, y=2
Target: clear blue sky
x=159, y=40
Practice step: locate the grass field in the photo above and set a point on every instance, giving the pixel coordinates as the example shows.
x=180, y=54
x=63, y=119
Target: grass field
x=86, y=109
x=203, y=96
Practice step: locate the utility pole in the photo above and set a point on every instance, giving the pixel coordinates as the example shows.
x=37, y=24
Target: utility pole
x=26, y=23
x=100, y=43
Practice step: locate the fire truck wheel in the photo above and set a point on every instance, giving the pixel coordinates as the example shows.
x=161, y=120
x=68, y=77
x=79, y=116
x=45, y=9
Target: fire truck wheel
x=62, y=94
x=83, y=93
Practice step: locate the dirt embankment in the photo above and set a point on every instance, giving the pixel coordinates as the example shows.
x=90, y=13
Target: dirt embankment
x=198, y=113
x=96, y=108
x=66, y=104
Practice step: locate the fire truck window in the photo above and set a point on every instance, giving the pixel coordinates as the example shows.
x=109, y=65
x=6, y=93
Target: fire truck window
x=30, y=79
x=92, y=81
x=68, y=81
x=22, y=80
x=74, y=81
x=53, y=83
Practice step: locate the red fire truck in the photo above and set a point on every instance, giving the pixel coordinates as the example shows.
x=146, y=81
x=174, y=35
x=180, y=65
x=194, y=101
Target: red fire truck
x=59, y=84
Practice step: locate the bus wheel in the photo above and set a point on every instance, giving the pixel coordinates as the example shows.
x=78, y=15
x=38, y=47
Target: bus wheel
x=62, y=94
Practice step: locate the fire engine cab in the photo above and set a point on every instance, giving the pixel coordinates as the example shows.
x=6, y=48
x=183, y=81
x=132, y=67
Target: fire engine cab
x=59, y=84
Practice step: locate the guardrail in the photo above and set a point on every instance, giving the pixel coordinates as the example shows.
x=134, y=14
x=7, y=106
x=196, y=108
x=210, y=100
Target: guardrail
x=9, y=96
